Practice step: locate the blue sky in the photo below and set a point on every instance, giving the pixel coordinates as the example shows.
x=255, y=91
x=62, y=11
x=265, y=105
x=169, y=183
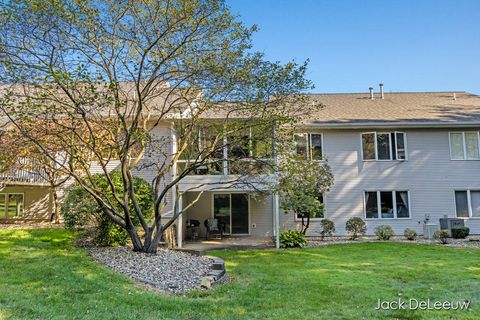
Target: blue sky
x=408, y=45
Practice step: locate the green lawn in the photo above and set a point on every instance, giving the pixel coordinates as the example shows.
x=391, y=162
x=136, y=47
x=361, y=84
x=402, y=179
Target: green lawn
x=43, y=276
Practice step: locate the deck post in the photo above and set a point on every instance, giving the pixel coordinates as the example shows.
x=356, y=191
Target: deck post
x=276, y=217
x=276, y=197
x=179, y=207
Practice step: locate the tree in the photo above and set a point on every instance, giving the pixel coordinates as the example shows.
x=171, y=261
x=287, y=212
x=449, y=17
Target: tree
x=103, y=77
x=301, y=183
x=22, y=154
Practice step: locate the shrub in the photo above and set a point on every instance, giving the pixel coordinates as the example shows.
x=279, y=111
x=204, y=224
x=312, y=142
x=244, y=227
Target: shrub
x=441, y=236
x=78, y=209
x=328, y=228
x=81, y=210
x=356, y=227
x=410, y=234
x=384, y=232
x=109, y=233
x=292, y=239
x=460, y=232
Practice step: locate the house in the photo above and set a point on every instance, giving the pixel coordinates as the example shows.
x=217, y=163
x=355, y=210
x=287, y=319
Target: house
x=398, y=159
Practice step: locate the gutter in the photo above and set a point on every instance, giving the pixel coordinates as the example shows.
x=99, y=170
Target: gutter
x=403, y=124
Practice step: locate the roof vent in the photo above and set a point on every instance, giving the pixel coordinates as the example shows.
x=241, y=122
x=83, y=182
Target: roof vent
x=454, y=96
x=381, y=90
x=371, y=92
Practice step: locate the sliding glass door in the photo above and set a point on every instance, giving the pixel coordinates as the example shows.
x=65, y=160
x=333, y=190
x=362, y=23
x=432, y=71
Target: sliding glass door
x=231, y=211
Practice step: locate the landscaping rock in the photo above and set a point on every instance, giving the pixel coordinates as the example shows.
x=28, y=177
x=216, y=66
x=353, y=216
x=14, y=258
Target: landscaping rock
x=207, y=282
x=168, y=270
x=470, y=242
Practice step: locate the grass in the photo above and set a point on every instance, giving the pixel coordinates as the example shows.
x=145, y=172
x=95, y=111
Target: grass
x=43, y=276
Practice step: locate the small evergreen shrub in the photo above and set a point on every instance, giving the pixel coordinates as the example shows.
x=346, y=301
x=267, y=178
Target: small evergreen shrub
x=460, y=232
x=441, y=236
x=292, y=239
x=384, y=232
x=328, y=228
x=356, y=227
x=410, y=234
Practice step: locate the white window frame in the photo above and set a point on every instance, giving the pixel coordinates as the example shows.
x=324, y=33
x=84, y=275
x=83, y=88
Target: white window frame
x=464, y=141
x=7, y=194
x=394, y=203
x=308, y=141
x=375, y=133
x=297, y=218
x=469, y=203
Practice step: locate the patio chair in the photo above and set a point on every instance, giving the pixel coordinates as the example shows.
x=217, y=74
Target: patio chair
x=212, y=228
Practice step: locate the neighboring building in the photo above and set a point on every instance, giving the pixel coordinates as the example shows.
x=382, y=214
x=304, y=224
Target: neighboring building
x=397, y=159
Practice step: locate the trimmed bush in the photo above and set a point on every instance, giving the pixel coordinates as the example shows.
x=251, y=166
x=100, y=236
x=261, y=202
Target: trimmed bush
x=441, y=236
x=410, y=234
x=328, y=228
x=356, y=227
x=292, y=239
x=109, y=233
x=460, y=232
x=80, y=210
x=384, y=232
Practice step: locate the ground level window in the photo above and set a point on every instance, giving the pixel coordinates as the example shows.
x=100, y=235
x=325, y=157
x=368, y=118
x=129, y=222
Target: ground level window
x=467, y=203
x=11, y=205
x=387, y=204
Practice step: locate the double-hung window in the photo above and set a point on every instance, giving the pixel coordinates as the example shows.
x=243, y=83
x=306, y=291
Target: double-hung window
x=464, y=145
x=309, y=145
x=387, y=204
x=11, y=205
x=467, y=203
x=384, y=146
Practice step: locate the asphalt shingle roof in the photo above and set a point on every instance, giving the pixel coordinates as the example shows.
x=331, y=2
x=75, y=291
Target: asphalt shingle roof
x=410, y=108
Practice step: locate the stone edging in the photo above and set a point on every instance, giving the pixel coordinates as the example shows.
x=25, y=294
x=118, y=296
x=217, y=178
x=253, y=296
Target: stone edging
x=216, y=274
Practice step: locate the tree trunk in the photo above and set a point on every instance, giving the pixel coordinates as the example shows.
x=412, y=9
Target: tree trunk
x=305, y=225
x=136, y=241
x=55, y=217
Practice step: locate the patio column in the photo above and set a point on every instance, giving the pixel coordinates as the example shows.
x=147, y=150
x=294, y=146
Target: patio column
x=179, y=208
x=276, y=219
x=276, y=197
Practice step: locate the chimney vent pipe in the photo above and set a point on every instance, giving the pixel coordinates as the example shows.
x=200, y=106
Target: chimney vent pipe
x=371, y=92
x=381, y=91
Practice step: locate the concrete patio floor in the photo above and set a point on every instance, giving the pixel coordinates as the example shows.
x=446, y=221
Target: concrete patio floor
x=239, y=243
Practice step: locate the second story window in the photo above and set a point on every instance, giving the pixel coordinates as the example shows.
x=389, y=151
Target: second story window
x=464, y=145
x=309, y=145
x=384, y=146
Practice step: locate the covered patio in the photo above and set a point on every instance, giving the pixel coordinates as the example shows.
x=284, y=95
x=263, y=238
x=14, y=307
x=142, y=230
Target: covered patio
x=242, y=219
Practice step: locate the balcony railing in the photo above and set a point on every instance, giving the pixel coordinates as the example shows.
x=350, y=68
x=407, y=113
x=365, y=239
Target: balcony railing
x=24, y=176
x=245, y=166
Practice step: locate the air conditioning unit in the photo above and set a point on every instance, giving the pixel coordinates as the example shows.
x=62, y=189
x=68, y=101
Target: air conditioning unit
x=449, y=223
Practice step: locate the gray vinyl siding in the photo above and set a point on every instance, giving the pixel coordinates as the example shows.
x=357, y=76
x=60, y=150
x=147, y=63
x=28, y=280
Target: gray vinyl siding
x=428, y=174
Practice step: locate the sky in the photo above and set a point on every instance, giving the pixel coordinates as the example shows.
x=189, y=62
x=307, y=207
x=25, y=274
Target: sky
x=422, y=45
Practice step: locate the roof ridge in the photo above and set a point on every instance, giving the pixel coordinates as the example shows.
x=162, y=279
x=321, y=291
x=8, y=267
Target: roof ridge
x=386, y=92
